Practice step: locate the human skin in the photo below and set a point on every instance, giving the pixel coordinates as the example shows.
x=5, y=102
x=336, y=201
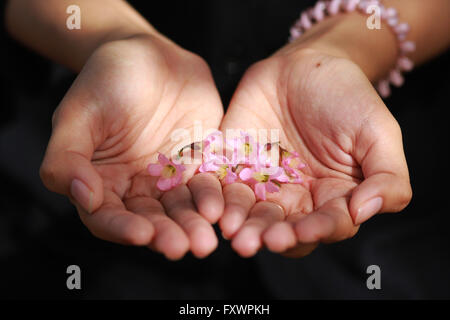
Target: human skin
x=318, y=92
x=134, y=89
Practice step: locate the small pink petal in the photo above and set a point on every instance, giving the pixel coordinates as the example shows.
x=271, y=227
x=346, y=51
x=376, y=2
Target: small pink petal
x=263, y=159
x=220, y=160
x=297, y=180
x=180, y=167
x=164, y=184
x=176, y=180
x=271, y=187
x=231, y=177
x=260, y=191
x=154, y=169
x=273, y=172
x=213, y=136
x=208, y=166
x=163, y=159
x=246, y=174
x=233, y=143
x=282, y=178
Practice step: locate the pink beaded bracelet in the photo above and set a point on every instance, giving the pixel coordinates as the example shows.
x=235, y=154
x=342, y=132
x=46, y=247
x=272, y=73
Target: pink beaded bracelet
x=388, y=15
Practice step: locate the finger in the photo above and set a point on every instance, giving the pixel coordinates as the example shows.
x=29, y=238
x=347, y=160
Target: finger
x=169, y=238
x=207, y=194
x=248, y=239
x=113, y=222
x=296, y=202
x=301, y=250
x=280, y=237
x=67, y=167
x=329, y=223
x=239, y=199
x=293, y=198
x=386, y=187
x=179, y=206
x=297, y=250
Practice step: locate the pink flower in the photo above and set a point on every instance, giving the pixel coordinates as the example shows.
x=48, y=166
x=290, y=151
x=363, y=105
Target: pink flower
x=213, y=144
x=170, y=173
x=291, y=163
x=221, y=166
x=264, y=179
x=245, y=148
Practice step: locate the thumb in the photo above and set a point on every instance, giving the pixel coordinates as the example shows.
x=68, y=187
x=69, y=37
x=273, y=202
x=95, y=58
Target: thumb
x=67, y=167
x=386, y=187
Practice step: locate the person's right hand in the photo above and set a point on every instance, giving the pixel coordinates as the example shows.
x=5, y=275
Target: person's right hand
x=119, y=113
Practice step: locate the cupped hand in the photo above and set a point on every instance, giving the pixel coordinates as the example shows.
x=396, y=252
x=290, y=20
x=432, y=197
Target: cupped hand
x=327, y=110
x=131, y=95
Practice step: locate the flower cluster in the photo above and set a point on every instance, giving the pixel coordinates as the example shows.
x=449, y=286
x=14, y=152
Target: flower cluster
x=240, y=159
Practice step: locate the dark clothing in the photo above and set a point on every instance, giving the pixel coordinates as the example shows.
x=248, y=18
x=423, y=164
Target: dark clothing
x=41, y=234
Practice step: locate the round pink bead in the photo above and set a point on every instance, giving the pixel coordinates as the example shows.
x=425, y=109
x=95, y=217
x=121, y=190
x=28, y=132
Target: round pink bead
x=295, y=33
x=383, y=88
x=389, y=13
x=304, y=21
x=407, y=46
x=364, y=4
x=351, y=5
x=334, y=6
x=392, y=21
x=402, y=28
x=318, y=12
x=396, y=78
x=405, y=64
x=401, y=36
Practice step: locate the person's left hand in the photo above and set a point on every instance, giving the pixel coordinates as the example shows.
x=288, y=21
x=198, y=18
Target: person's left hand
x=327, y=110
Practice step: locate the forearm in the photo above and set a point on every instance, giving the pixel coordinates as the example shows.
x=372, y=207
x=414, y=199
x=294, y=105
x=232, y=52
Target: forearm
x=41, y=25
x=375, y=51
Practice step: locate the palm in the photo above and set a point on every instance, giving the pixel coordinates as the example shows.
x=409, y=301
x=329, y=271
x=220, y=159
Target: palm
x=138, y=93
x=326, y=110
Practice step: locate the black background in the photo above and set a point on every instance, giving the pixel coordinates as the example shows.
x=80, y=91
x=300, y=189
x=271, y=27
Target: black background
x=40, y=233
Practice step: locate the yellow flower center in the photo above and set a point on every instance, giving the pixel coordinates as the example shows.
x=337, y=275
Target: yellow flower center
x=261, y=177
x=294, y=163
x=247, y=148
x=214, y=147
x=222, y=171
x=168, y=171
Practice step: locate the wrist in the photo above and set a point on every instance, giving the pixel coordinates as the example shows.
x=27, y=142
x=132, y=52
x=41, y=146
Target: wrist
x=347, y=36
x=109, y=36
x=128, y=32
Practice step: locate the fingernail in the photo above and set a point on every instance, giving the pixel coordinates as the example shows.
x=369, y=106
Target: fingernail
x=82, y=194
x=368, y=209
